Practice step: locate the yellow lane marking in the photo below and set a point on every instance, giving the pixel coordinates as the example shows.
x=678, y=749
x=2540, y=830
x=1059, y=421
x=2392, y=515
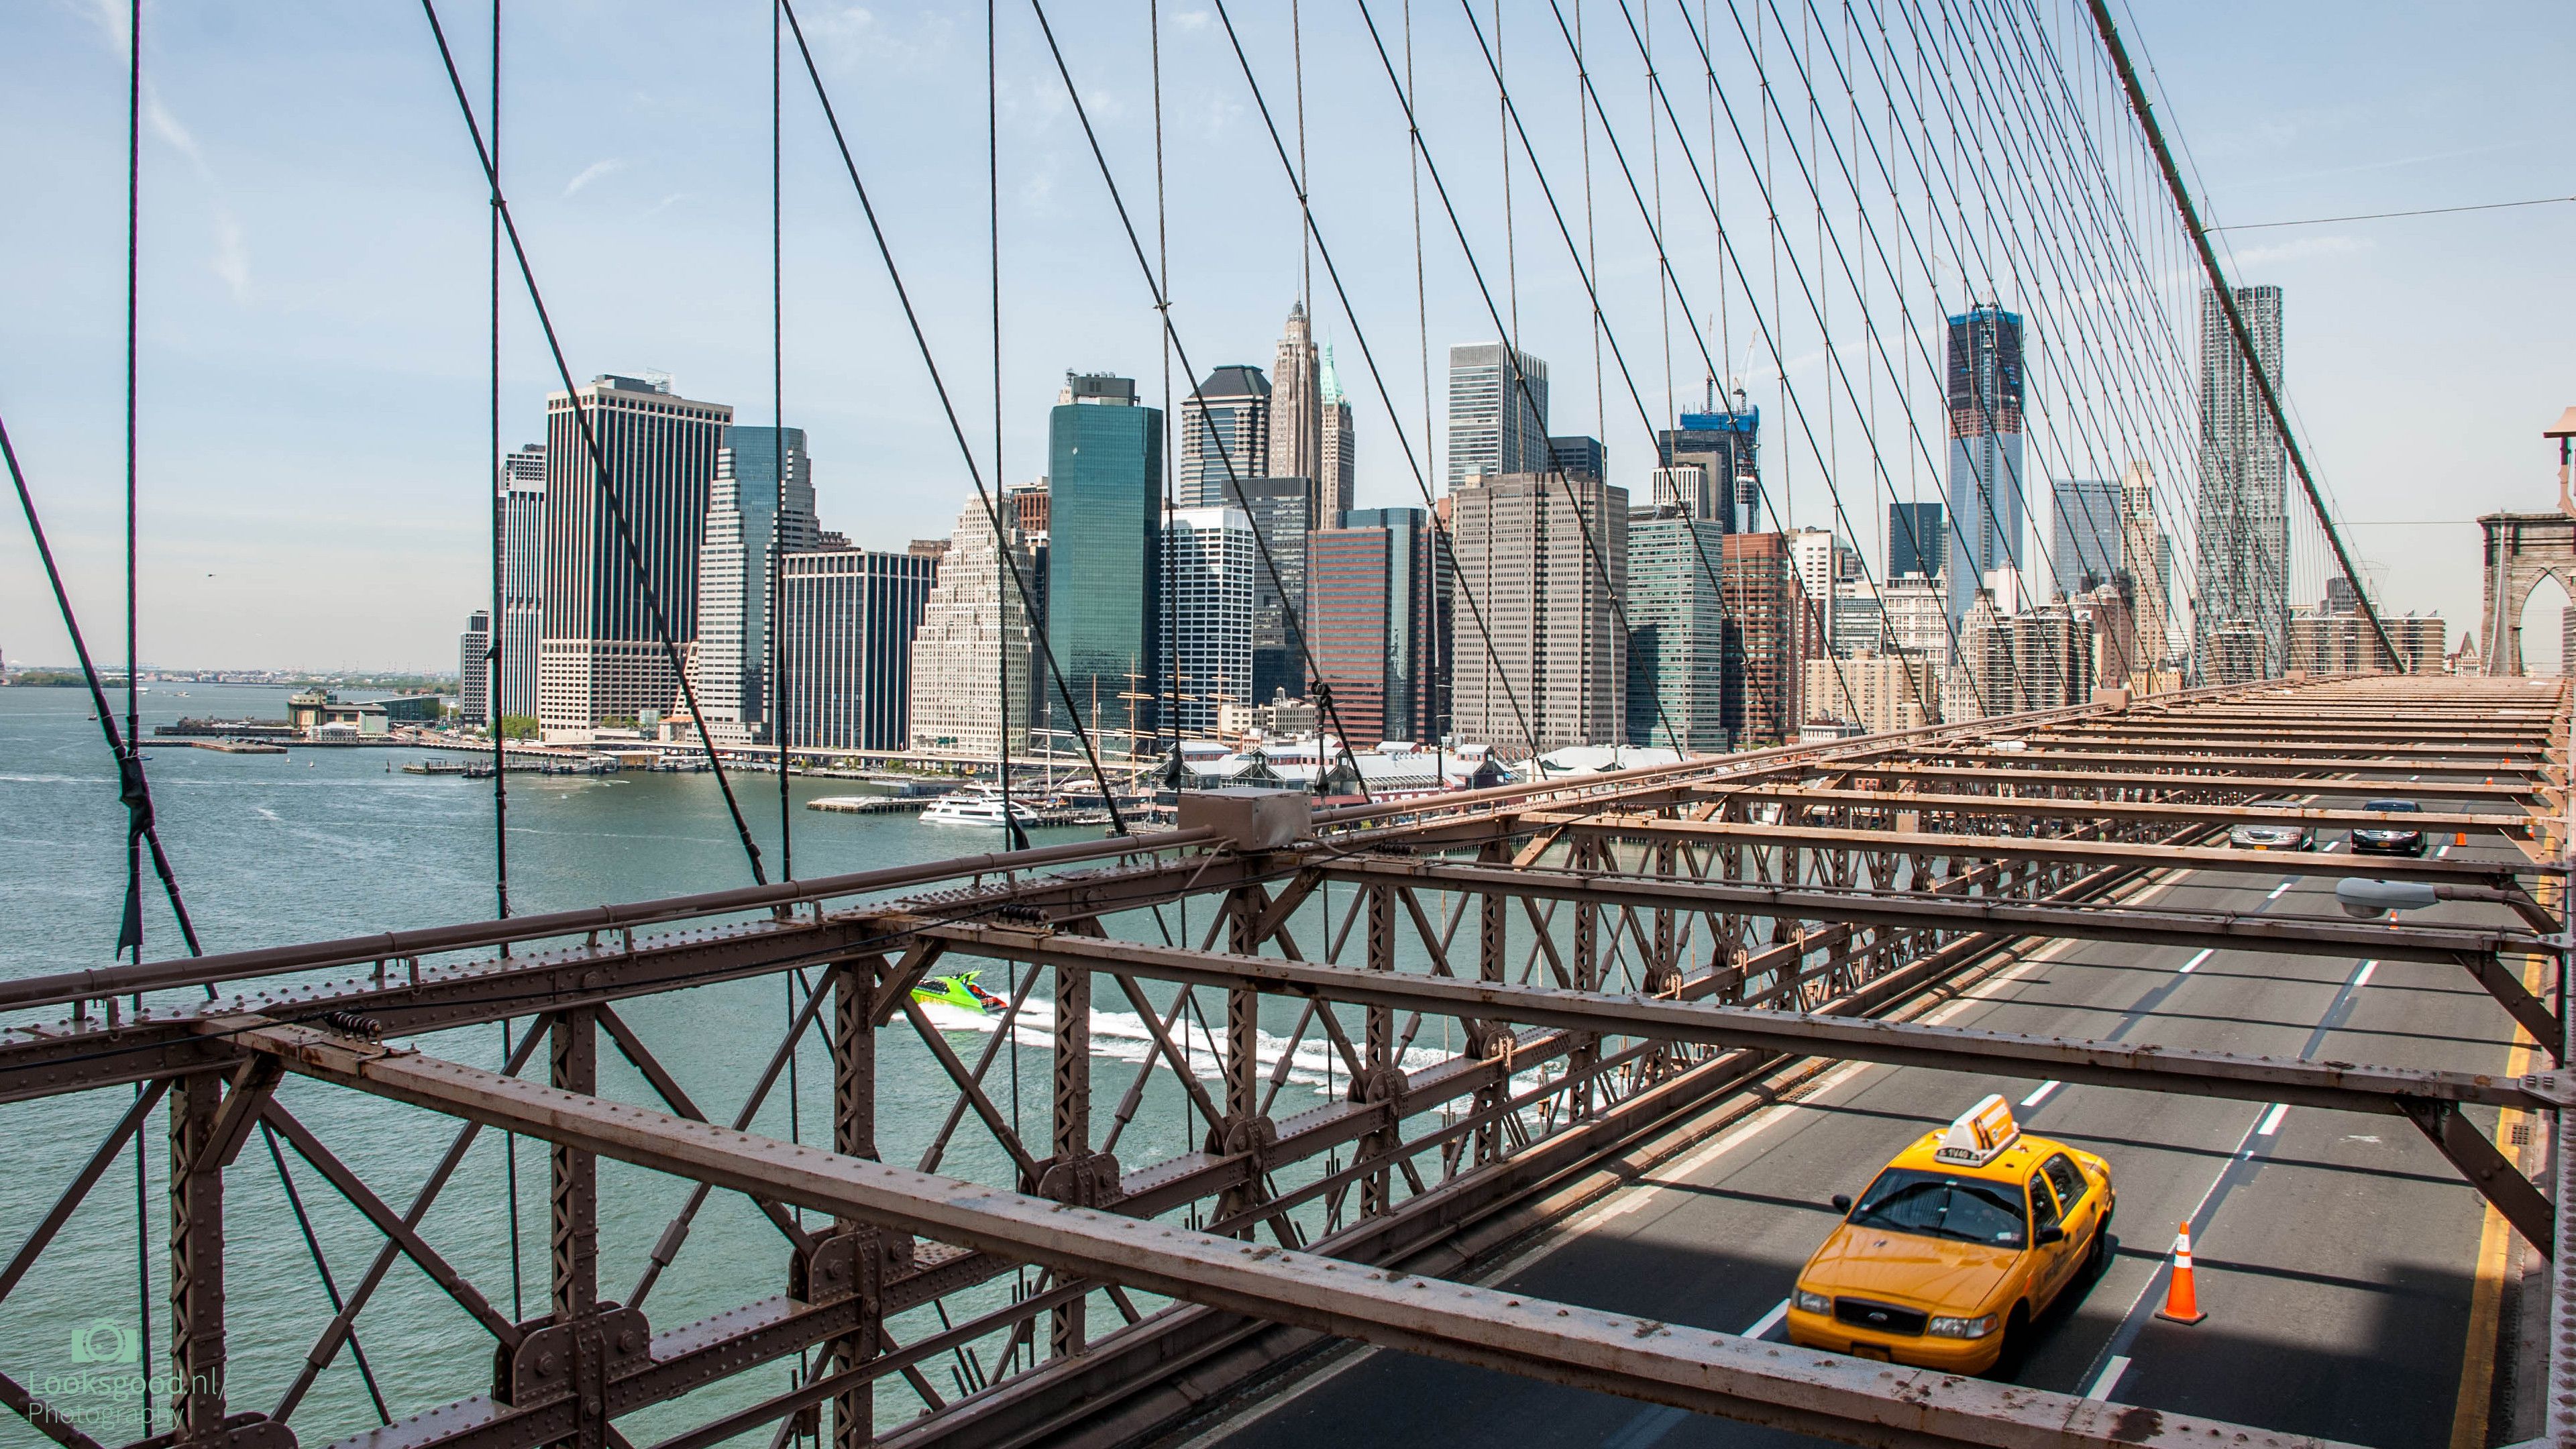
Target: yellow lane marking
x=2486, y=1300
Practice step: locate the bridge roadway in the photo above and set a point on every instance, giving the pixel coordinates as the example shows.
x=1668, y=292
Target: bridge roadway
x=2338, y=1256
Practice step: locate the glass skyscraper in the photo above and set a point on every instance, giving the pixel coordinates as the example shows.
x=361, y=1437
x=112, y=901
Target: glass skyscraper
x=1227, y=422
x=1986, y=488
x=2083, y=533
x=1497, y=412
x=1104, y=595
x=1914, y=540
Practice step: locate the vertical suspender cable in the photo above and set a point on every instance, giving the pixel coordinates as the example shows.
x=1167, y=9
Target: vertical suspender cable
x=131, y=761
x=774, y=617
x=1015, y=835
x=595, y=452
x=1170, y=688
x=492, y=689
x=499, y=480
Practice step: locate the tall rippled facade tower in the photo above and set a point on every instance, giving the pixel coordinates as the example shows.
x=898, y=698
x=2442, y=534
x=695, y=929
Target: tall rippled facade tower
x=2244, y=530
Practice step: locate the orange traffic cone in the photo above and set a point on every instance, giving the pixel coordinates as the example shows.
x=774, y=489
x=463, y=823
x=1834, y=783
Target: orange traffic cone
x=2459, y=837
x=2182, y=1305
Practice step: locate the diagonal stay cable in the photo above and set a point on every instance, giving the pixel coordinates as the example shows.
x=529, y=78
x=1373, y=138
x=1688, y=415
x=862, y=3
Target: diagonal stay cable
x=132, y=788
x=591, y=446
x=1225, y=450
x=1359, y=334
x=965, y=450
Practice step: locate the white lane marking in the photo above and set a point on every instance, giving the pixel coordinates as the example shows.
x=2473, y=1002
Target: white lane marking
x=2277, y=890
x=2445, y=850
x=2272, y=1119
x=2332, y=848
x=2195, y=961
x=2364, y=978
x=1770, y=1320
x=2107, y=1380
x=2035, y=1098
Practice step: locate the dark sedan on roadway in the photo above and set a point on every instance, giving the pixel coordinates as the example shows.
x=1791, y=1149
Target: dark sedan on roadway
x=2389, y=839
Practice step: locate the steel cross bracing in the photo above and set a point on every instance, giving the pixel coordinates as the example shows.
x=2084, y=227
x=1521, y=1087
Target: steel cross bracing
x=1602, y=963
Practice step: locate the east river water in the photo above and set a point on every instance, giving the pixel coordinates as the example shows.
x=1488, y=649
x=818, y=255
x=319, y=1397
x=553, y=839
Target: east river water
x=321, y=843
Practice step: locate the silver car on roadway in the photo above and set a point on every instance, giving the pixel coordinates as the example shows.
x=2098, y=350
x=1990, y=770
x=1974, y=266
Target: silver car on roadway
x=2273, y=835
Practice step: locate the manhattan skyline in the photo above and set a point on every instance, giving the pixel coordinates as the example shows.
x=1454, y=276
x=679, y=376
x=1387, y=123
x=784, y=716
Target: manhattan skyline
x=312, y=385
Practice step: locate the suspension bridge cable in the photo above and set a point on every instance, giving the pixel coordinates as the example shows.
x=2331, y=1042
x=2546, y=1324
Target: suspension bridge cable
x=1519, y=382
x=1005, y=560
x=1225, y=451
x=591, y=445
x=1772, y=342
x=1668, y=277
x=956, y=427
x=492, y=702
x=2016, y=253
x=493, y=673
x=1924, y=172
x=773, y=613
x=1878, y=248
x=1368, y=355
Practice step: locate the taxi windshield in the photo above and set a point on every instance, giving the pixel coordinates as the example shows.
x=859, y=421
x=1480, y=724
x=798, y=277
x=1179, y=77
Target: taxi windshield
x=1938, y=1205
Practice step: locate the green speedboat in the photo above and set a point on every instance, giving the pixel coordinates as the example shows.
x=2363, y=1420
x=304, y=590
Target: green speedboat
x=959, y=991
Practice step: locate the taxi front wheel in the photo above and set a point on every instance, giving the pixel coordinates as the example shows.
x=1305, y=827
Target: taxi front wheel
x=2016, y=1345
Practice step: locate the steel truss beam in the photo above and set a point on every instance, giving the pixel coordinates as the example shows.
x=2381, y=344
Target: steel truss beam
x=1691, y=1369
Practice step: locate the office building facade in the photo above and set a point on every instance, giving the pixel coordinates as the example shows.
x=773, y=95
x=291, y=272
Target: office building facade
x=2243, y=525
x=1725, y=445
x=1677, y=634
x=1280, y=512
x=2085, y=522
x=1546, y=664
x=1986, y=486
x=1209, y=568
x=1296, y=403
x=1225, y=436
x=1916, y=541
x=1372, y=595
x=762, y=500
x=1877, y=693
x=1579, y=457
x=2147, y=566
x=600, y=656
x=1497, y=412
x=1104, y=609
x=1770, y=634
x=523, y=509
x=1339, y=460
x=974, y=627
x=847, y=618
x=474, y=669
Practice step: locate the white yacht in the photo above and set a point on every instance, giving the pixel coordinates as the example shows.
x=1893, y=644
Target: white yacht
x=976, y=805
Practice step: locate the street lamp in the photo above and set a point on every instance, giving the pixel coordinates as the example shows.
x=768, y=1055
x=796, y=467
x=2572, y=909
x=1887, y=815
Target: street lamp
x=2369, y=900
x=2564, y=430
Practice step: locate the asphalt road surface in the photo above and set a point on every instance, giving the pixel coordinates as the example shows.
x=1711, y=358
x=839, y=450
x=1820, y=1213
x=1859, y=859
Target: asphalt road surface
x=2337, y=1254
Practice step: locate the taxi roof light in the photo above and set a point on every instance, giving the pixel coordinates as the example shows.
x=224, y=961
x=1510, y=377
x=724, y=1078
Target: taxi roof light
x=1980, y=1135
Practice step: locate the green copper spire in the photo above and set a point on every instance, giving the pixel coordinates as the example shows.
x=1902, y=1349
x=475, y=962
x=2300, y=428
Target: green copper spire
x=1330, y=385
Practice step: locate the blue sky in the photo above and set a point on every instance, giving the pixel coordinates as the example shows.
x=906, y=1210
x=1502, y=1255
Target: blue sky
x=313, y=416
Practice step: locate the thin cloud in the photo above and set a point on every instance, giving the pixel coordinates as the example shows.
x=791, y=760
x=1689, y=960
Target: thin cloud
x=657, y=208
x=593, y=172
x=2291, y=251
x=231, y=259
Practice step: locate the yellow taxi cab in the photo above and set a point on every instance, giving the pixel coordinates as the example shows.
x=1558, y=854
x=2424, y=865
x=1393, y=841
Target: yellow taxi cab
x=1964, y=1239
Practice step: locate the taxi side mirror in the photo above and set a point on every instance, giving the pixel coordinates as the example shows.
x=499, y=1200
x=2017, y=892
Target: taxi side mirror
x=2050, y=1234
x=1841, y=1202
